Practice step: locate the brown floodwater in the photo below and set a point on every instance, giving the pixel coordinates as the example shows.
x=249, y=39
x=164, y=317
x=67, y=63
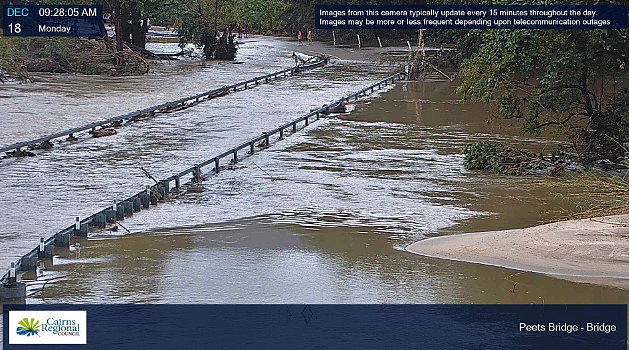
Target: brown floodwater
x=326, y=221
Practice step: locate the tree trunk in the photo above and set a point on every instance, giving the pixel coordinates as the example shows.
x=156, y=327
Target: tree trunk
x=118, y=25
x=416, y=61
x=136, y=36
x=110, y=48
x=145, y=29
x=118, y=28
x=126, y=26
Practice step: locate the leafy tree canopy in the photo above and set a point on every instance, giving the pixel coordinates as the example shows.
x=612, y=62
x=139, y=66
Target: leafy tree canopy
x=572, y=78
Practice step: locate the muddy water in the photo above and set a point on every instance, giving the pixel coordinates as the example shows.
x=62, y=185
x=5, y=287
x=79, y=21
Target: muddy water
x=81, y=178
x=60, y=101
x=325, y=221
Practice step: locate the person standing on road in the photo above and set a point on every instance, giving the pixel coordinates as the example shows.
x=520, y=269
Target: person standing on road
x=309, y=37
x=299, y=37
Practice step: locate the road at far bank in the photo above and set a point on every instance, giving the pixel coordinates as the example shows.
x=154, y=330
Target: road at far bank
x=592, y=250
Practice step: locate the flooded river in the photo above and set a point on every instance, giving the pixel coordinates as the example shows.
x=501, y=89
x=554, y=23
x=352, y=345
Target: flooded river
x=321, y=217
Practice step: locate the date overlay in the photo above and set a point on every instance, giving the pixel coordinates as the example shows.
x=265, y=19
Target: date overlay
x=53, y=20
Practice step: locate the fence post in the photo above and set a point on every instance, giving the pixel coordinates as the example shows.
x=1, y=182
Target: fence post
x=128, y=207
x=100, y=220
x=41, y=249
x=79, y=228
x=12, y=273
x=152, y=199
x=146, y=197
x=162, y=193
x=196, y=173
x=13, y=290
x=166, y=185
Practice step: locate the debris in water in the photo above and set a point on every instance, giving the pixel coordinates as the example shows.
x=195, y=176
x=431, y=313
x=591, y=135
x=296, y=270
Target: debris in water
x=20, y=153
x=262, y=144
x=43, y=145
x=195, y=189
x=104, y=132
x=503, y=158
x=337, y=109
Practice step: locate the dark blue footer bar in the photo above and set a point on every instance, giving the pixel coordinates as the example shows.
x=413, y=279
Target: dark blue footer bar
x=363, y=327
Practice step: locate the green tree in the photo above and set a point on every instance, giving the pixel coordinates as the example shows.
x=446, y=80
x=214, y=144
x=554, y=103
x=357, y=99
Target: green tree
x=131, y=19
x=566, y=78
x=209, y=23
x=261, y=15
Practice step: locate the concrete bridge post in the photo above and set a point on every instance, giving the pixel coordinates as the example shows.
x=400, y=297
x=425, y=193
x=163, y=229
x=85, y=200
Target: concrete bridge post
x=28, y=262
x=12, y=289
x=62, y=240
x=128, y=208
x=80, y=229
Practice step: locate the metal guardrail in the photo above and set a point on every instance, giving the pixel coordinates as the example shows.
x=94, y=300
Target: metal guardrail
x=134, y=115
x=163, y=186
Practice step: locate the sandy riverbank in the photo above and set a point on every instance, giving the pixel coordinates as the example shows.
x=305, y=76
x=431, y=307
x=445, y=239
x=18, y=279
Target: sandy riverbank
x=589, y=250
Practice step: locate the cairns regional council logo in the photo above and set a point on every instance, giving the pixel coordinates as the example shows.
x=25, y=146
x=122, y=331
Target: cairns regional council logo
x=48, y=327
x=27, y=327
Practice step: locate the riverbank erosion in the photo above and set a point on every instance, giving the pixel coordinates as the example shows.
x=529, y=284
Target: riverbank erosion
x=594, y=250
x=21, y=56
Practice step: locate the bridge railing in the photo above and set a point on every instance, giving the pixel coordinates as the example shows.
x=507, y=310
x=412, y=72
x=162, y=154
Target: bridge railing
x=136, y=114
x=28, y=260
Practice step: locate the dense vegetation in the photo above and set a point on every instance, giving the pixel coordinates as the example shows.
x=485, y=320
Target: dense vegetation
x=207, y=23
x=210, y=24
x=574, y=80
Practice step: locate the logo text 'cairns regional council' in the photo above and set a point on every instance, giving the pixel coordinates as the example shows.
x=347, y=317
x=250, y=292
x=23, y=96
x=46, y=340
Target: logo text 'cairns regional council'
x=47, y=327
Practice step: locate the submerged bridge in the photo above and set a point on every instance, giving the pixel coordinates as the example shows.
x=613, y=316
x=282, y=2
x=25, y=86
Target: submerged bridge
x=45, y=141
x=180, y=182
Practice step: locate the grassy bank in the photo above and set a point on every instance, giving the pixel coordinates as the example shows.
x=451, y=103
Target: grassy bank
x=595, y=193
